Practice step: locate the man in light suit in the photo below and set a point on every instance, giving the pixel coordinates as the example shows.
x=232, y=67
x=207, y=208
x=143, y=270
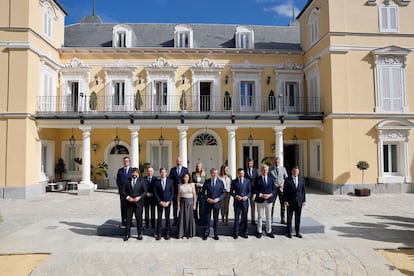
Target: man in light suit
x=240, y=190
x=134, y=191
x=251, y=173
x=213, y=191
x=164, y=194
x=175, y=175
x=294, y=197
x=122, y=176
x=265, y=191
x=279, y=173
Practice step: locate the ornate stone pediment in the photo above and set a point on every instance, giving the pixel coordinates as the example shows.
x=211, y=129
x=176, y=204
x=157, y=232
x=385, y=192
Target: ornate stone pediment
x=289, y=65
x=75, y=63
x=161, y=63
x=205, y=63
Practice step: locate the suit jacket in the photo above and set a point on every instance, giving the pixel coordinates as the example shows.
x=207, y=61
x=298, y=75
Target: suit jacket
x=140, y=189
x=176, y=178
x=164, y=195
x=240, y=189
x=293, y=195
x=264, y=188
x=251, y=177
x=121, y=177
x=219, y=191
x=279, y=175
x=150, y=187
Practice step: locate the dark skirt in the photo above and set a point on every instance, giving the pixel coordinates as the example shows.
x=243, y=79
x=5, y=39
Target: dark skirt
x=186, y=225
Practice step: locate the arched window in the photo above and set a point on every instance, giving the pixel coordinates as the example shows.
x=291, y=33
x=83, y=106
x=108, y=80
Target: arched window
x=122, y=36
x=205, y=139
x=183, y=36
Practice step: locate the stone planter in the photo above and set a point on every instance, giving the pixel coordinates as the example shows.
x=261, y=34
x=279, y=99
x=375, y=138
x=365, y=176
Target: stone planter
x=102, y=183
x=362, y=192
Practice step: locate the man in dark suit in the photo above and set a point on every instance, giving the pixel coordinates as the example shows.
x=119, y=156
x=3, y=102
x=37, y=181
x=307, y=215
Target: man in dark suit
x=213, y=191
x=252, y=174
x=134, y=191
x=149, y=200
x=240, y=190
x=265, y=191
x=164, y=194
x=279, y=173
x=122, y=176
x=175, y=175
x=294, y=198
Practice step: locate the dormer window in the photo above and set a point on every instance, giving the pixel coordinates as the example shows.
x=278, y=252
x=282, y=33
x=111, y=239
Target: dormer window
x=183, y=36
x=388, y=18
x=244, y=38
x=122, y=36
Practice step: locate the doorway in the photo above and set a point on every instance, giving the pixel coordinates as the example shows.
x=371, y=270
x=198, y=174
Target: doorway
x=115, y=158
x=205, y=96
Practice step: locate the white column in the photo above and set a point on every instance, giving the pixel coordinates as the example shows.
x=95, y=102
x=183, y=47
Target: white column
x=231, y=133
x=86, y=186
x=279, y=142
x=182, y=150
x=134, y=156
x=407, y=159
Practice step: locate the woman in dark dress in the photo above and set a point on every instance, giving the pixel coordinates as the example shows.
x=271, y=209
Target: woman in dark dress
x=187, y=204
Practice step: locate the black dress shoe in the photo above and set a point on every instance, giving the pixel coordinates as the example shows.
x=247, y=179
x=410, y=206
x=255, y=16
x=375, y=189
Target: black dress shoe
x=283, y=222
x=258, y=235
x=216, y=237
x=299, y=236
x=205, y=237
x=235, y=236
x=157, y=237
x=270, y=235
x=168, y=237
x=126, y=238
x=289, y=236
x=139, y=236
x=244, y=236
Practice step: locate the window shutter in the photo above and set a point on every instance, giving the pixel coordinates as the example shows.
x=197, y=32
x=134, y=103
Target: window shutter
x=393, y=19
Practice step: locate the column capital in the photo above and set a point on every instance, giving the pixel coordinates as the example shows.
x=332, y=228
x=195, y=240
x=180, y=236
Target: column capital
x=85, y=128
x=231, y=128
x=182, y=128
x=279, y=128
x=134, y=128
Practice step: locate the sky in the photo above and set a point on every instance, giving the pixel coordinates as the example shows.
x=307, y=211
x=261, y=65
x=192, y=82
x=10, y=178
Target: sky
x=240, y=12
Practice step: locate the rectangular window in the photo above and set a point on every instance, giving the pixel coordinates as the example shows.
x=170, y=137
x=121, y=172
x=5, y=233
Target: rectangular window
x=119, y=95
x=244, y=40
x=388, y=16
x=391, y=88
x=74, y=96
x=246, y=94
x=161, y=93
x=47, y=23
x=314, y=30
x=183, y=40
x=71, y=154
x=121, y=41
x=159, y=157
x=390, y=158
x=253, y=153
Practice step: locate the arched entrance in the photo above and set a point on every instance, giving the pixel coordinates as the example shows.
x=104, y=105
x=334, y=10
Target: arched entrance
x=205, y=148
x=115, y=154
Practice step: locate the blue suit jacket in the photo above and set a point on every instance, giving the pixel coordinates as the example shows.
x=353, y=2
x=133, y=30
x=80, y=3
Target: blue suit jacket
x=167, y=194
x=176, y=178
x=150, y=187
x=121, y=177
x=219, y=191
x=293, y=195
x=261, y=188
x=240, y=189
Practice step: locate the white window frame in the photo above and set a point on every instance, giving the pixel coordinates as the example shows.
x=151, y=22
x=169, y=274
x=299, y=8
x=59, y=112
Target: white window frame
x=388, y=61
x=183, y=37
x=256, y=143
x=316, y=158
x=122, y=31
x=244, y=37
x=155, y=143
x=48, y=81
x=312, y=74
x=388, y=24
x=114, y=73
x=250, y=75
x=313, y=25
x=48, y=17
x=77, y=173
x=46, y=171
x=395, y=132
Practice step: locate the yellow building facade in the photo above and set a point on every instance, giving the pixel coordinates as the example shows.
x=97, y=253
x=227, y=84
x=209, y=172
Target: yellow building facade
x=325, y=92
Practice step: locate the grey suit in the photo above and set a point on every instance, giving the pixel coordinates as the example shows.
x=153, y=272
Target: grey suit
x=279, y=174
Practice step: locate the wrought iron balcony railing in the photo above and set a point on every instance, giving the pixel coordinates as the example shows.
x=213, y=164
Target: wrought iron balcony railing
x=178, y=104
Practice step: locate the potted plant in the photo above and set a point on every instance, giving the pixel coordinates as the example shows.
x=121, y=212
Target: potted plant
x=93, y=101
x=183, y=101
x=362, y=166
x=101, y=172
x=138, y=100
x=60, y=168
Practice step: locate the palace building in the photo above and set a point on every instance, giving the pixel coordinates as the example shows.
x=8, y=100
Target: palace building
x=327, y=91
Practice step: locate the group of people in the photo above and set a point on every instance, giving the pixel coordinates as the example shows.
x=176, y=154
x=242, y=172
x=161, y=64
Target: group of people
x=194, y=197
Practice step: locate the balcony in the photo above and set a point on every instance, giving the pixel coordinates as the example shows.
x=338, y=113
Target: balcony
x=68, y=106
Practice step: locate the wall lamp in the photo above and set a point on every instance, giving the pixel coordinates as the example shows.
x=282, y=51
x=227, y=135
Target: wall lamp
x=233, y=119
x=282, y=119
x=131, y=119
x=268, y=79
x=161, y=139
x=183, y=78
x=226, y=79
x=182, y=119
x=116, y=139
x=72, y=140
x=95, y=147
x=272, y=146
x=250, y=138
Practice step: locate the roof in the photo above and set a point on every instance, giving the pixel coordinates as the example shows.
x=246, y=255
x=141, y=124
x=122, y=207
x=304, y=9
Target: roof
x=60, y=6
x=211, y=36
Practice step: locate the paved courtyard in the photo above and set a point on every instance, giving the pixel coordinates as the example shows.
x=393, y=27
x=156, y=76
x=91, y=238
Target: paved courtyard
x=67, y=227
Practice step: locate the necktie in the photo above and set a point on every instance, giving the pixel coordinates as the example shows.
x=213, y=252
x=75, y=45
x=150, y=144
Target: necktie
x=163, y=185
x=178, y=170
x=126, y=171
x=296, y=181
x=133, y=183
x=277, y=171
x=264, y=180
x=149, y=179
x=214, y=182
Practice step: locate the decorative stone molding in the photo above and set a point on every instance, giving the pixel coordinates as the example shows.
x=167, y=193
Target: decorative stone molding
x=205, y=63
x=75, y=63
x=161, y=63
x=391, y=134
x=289, y=65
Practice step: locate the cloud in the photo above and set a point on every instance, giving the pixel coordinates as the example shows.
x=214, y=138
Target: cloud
x=284, y=10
